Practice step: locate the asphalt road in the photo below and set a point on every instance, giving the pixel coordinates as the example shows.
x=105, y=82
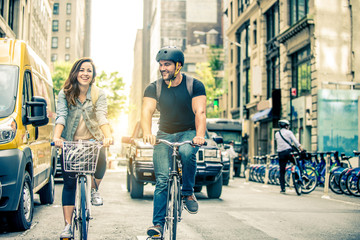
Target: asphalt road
x=246, y=210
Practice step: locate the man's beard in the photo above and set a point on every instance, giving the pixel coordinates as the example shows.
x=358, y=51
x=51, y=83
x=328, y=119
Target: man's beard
x=170, y=76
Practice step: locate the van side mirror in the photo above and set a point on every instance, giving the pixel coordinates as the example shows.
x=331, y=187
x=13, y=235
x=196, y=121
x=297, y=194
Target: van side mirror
x=36, y=111
x=218, y=139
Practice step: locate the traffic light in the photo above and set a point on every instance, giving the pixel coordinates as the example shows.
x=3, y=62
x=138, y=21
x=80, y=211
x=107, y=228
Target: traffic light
x=216, y=103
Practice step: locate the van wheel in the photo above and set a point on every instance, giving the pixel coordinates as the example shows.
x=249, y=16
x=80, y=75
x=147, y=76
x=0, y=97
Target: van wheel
x=128, y=176
x=214, y=190
x=47, y=193
x=198, y=189
x=21, y=219
x=136, y=188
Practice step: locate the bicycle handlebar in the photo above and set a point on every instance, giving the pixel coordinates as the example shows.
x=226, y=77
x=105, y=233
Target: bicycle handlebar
x=101, y=142
x=178, y=144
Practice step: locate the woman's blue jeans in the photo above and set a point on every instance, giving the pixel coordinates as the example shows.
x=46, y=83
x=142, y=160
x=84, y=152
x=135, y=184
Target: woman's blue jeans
x=162, y=159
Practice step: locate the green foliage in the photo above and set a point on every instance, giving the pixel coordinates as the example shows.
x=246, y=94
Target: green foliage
x=212, y=91
x=114, y=87
x=60, y=74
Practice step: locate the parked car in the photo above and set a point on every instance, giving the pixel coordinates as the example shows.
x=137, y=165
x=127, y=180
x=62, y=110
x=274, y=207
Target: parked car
x=27, y=118
x=229, y=130
x=140, y=169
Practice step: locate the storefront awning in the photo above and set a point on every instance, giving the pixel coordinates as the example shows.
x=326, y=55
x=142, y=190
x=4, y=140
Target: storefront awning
x=262, y=115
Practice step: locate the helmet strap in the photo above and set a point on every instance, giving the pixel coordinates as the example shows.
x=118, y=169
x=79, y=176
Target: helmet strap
x=177, y=70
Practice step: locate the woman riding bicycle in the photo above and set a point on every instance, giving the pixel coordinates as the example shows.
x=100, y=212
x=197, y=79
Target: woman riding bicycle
x=284, y=138
x=81, y=115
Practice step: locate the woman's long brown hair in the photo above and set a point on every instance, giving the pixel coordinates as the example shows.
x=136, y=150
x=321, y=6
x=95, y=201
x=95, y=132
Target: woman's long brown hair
x=71, y=85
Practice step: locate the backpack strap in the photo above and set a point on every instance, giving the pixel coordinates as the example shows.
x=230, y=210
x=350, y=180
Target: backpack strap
x=94, y=95
x=158, y=92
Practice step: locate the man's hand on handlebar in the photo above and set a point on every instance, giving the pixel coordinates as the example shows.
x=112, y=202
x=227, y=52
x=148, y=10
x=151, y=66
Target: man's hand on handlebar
x=198, y=140
x=149, y=138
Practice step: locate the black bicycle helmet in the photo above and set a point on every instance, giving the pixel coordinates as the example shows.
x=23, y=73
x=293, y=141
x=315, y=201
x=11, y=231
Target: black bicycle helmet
x=171, y=53
x=283, y=123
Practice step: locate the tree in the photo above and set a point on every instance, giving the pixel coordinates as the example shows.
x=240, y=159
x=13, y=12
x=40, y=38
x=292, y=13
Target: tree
x=212, y=91
x=114, y=87
x=60, y=74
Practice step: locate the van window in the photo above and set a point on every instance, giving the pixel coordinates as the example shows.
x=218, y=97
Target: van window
x=8, y=89
x=228, y=135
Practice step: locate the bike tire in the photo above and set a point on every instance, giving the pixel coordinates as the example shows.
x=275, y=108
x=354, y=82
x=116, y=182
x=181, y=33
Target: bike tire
x=309, y=185
x=351, y=184
x=342, y=183
x=172, y=210
x=334, y=183
x=297, y=183
x=83, y=209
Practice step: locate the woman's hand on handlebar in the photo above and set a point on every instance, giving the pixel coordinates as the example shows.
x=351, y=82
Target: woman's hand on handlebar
x=58, y=142
x=198, y=140
x=108, y=141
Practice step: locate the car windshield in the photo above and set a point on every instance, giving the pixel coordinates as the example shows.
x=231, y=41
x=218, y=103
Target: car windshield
x=229, y=136
x=9, y=76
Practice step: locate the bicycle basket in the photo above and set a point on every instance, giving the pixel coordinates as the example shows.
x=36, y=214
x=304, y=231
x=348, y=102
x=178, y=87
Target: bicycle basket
x=80, y=156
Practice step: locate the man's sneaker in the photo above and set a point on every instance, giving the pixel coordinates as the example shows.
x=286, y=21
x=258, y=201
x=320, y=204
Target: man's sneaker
x=96, y=199
x=191, y=204
x=283, y=191
x=155, y=230
x=66, y=233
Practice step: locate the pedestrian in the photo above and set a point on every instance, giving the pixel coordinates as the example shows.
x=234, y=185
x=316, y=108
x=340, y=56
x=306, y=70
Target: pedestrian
x=183, y=117
x=81, y=115
x=284, y=140
x=232, y=155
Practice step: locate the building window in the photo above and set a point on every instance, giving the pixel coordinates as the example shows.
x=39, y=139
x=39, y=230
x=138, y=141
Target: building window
x=231, y=12
x=55, y=25
x=54, y=42
x=56, y=9
x=2, y=7
x=54, y=57
x=255, y=32
x=301, y=71
x=68, y=8
x=68, y=25
x=242, y=5
x=11, y=14
x=272, y=22
x=273, y=75
x=67, y=57
x=298, y=10
x=67, y=42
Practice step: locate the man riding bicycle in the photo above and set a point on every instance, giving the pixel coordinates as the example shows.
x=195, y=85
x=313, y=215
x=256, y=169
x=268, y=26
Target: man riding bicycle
x=183, y=117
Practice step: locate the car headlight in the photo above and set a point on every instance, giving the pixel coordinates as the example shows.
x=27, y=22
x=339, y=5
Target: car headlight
x=7, y=130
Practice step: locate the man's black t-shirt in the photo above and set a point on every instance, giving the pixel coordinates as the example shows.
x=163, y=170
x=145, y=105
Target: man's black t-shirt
x=175, y=104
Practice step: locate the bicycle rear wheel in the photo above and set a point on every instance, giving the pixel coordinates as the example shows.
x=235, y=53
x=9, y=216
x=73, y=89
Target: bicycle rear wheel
x=352, y=184
x=297, y=183
x=172, y=210
x=334, y=183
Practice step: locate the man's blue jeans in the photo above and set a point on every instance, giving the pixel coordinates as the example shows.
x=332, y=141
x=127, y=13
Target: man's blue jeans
x=162, y=159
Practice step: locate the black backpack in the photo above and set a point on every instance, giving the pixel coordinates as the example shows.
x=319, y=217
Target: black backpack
x=189, y=86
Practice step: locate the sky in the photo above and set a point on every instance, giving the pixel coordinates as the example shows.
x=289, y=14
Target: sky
x=114, y=24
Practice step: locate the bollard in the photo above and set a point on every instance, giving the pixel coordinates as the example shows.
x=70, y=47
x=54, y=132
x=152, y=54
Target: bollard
x=231, y=168
x=327, y=176
x=266, y=180
x=247, y=173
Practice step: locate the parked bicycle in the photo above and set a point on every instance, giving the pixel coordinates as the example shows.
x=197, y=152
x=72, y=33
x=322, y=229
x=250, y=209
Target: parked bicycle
x=81, y=157
x=174, y=202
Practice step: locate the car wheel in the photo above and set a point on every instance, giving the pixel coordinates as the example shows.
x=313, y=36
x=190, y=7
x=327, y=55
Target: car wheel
x=214, y=190
x=136, y=188
x=226, y=180
x=22, y=218
x=128, y=176
x=47, y=193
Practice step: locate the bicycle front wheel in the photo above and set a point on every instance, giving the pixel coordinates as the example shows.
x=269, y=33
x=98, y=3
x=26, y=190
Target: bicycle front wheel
x=309, y=181
x=83, y=223
x=297, y=183
x=172, y=209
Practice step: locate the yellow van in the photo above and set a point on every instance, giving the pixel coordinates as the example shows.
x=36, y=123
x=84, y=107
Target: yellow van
x=27, y=118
